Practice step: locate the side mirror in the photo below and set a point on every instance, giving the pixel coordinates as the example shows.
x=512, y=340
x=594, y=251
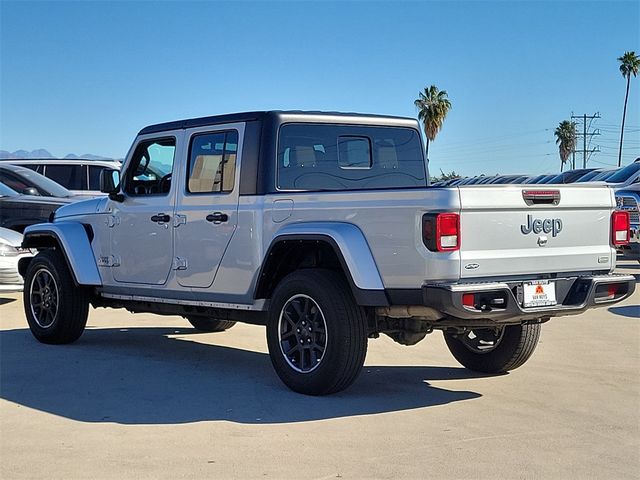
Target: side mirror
x=110, y=184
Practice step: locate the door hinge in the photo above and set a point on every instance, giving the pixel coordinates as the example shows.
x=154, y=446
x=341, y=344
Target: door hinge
x=179, y=263
x=108, y=261
x=179, y=220
x=112, y=221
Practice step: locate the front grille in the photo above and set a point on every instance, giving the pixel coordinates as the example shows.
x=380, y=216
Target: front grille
x=629, y=204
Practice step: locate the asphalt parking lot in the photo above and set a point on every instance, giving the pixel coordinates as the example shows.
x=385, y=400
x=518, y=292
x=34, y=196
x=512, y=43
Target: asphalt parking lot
x=143, y=396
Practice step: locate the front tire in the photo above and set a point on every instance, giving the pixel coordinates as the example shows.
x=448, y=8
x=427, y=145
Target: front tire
x=317, y=335
x=56, y=309
x=494, y=351
x=206, y=324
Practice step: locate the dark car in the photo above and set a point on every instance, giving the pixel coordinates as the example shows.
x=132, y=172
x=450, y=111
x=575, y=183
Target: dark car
x=570, y=176
x=602, y=176
x=18, y=211
x=26, y=181
x=540, y=178
x=505, y=179
x=590, y=176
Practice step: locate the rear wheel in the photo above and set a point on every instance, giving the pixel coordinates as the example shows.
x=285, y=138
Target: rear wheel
x=207, y=324
x=494, y=350
x=317, y=335
x=56, y=309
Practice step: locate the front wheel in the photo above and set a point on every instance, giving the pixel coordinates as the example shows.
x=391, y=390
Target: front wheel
x=494, y=350
x=56, y=309
x=317, y=335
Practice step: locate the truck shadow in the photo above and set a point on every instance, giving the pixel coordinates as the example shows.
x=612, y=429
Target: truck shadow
x=147, y=376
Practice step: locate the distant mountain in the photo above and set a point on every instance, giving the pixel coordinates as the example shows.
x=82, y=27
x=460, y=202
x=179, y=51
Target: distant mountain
x=42, y=153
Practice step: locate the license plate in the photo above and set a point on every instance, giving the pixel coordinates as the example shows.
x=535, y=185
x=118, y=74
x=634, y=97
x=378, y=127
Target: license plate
x=541, y=293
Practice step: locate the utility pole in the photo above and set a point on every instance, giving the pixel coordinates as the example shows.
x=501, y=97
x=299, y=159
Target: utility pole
x=586, y=132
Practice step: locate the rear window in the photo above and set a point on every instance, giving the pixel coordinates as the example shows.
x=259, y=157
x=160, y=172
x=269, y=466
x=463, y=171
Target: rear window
x=316, y=157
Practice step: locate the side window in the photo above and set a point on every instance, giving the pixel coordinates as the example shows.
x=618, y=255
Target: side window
x=94, y=177
x=212, y=162
x=149, y=172
x=72, y=177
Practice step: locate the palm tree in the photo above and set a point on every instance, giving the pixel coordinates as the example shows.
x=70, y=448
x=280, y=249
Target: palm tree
x=566, y=140
x=629, y=64
x=433, y=106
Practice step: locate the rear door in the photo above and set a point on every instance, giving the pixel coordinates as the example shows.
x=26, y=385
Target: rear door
x=516, y=230
x=207, y=207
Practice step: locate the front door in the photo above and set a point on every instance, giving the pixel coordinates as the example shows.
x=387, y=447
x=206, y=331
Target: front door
x=141, y=233
x=207, y=212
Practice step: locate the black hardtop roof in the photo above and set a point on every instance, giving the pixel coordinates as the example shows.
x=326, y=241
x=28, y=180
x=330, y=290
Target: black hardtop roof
x=249, y=116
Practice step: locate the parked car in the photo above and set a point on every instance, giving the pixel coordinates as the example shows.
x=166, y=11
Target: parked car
x=569, y=176
x=507, y=179
x=588, y=177
x=11, y=252
x=628, y=199
x=80, y=176
x=604, y=175
x=540, y=178
x=625, y=176
x=17, y=211
x=320, y=227
x=28, y=182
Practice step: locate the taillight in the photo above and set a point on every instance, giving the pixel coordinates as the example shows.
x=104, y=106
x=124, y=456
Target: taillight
x=620, y=228
x=441, y=231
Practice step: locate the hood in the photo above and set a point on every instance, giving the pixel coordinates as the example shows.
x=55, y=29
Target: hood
x=10, y=237
x=82, y=207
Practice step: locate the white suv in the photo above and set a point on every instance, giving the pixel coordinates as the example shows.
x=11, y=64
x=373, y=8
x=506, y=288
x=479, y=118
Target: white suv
x=80, y=176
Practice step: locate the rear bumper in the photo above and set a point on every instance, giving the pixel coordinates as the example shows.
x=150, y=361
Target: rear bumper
x=574, y=295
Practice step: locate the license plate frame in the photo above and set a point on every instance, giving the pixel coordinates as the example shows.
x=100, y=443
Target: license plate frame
x=539, y=293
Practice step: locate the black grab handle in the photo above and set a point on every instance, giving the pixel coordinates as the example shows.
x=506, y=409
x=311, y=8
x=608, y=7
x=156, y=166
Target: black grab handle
x=217, y=217
x=161, y=218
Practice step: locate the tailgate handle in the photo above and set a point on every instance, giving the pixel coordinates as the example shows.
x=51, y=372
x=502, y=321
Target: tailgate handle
x=541, y=197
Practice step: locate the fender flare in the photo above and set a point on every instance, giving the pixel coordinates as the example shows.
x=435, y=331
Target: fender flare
x=73, y=241
x=352, y=250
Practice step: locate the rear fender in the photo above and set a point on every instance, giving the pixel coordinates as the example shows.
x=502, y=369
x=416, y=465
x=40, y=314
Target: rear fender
x=351, y=249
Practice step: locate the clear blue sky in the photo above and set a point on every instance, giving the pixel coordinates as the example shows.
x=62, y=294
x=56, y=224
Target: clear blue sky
x=84, y=77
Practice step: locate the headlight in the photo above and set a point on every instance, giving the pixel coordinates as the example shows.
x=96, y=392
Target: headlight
x=9, y=251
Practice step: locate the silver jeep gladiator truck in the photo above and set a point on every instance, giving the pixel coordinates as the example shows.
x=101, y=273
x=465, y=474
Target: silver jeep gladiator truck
x=323, y=228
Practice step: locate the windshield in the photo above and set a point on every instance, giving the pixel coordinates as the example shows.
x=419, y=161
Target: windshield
x=43, y=183
x=623, y=175
x=6, y=191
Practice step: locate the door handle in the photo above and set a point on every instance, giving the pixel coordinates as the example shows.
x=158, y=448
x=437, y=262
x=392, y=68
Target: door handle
x=217, y=217
x=161, y=218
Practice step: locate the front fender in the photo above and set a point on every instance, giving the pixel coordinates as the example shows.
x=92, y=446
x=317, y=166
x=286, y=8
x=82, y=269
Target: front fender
x=71, y=238
x=351, y=244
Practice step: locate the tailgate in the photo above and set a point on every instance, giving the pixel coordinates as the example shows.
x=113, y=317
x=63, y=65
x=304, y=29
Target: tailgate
x=505, y=231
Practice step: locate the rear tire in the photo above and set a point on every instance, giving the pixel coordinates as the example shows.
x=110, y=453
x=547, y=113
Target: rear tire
x=484, y=350
x=317, y=335
x=206, y=324
x=56, y=309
